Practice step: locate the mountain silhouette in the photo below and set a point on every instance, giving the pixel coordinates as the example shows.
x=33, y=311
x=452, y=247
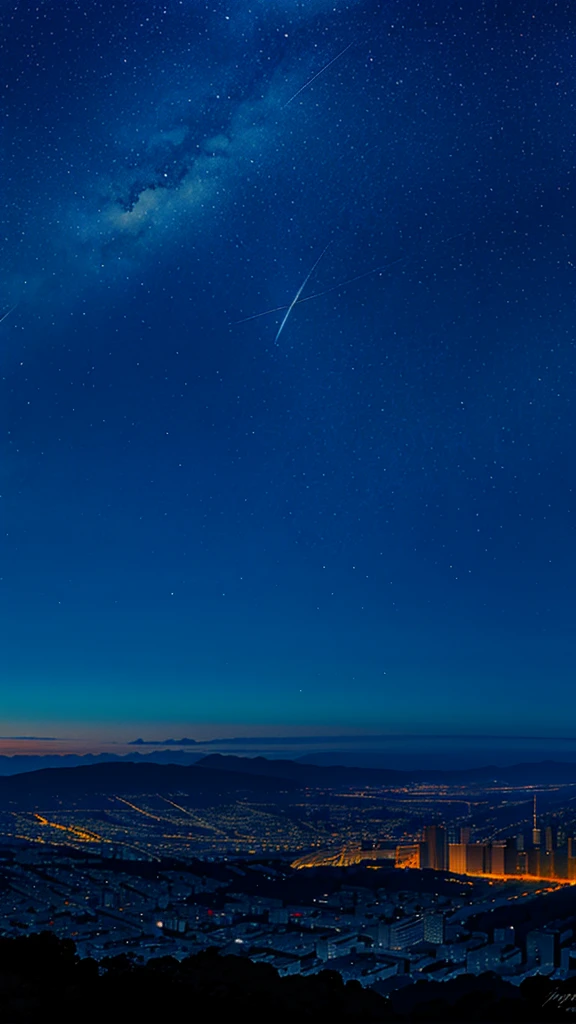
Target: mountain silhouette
x=49, y=786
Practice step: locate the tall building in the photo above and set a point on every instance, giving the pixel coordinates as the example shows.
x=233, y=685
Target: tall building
x=560, y=863
x=534, y=862
x=547, y=864
x=434, y=928
x=457, y=858
x=458, y=834
x=453, y=835
x=535, y=830
x=550, y=844
x=476, y=857
x=511, y=857
x=498, y=859
x=435, y=840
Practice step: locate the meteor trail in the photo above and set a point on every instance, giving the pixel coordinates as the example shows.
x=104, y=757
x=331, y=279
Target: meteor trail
x=11, y=310
x=326, y=291
x=297, y=296
x=341, y=284
x=317, y=75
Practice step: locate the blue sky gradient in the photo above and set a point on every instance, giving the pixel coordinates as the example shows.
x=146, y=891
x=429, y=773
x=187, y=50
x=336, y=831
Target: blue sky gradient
x=368, y=526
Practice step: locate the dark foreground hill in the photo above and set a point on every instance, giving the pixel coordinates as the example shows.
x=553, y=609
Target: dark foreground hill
x=50, y=785
x=42, y=980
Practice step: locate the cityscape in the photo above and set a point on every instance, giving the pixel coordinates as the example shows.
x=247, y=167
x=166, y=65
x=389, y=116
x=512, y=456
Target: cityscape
x=343, y=876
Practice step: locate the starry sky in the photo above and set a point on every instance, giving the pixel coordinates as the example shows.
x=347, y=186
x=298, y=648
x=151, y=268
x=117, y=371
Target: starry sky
x=358, y=518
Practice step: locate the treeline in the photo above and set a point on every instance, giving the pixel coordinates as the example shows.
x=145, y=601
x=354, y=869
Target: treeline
x=43, y=980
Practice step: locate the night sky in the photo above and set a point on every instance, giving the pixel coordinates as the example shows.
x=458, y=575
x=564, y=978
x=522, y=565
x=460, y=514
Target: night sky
x=364, y=522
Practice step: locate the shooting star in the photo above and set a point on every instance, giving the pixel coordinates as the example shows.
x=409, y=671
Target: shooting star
x=341, y=284
x=11, y=310
x=318, y=295
x=298, y=294
x=317, y=75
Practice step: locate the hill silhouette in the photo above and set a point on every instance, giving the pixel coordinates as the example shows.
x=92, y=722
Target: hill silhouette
x=43, y=980
x=219, y=777
x=51, y=785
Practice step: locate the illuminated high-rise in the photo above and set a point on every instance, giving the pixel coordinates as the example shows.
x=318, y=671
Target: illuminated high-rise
x=435, y=840
x=476, y=857
x=536, y=838
x=549, y=839
x=571, y=859
x=498, y=859
x=457, y=858
x=534, y=861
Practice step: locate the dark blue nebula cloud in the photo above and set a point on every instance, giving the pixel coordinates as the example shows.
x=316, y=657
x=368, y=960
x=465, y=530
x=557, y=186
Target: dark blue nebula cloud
x=371, y=521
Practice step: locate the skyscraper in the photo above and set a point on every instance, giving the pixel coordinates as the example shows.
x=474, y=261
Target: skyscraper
x=535, y=830
x=457, y=858
x=476, y=856
x=435, y=840
x=497, y=859
x=511, y=857
x=571, y=859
